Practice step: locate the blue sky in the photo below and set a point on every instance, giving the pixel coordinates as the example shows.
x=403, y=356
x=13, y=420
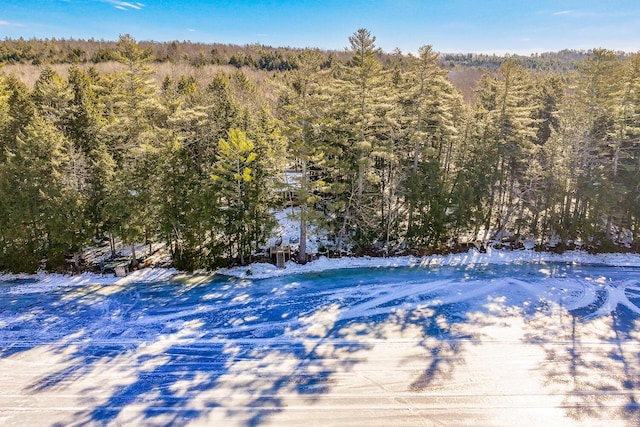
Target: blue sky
x=490, y=26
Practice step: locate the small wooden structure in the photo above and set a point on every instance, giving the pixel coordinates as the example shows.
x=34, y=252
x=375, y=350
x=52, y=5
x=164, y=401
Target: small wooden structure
x=119, y=266
x=280, y=255
x=120, y=270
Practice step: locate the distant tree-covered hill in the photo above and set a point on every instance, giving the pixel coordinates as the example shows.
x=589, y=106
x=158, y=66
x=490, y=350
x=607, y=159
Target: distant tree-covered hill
x=74, y=51
x=63, y=51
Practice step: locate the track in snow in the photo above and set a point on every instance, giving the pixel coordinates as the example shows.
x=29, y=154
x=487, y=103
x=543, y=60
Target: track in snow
x=530, y=344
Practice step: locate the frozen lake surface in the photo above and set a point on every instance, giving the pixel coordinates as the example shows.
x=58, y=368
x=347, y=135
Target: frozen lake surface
x=521, y=342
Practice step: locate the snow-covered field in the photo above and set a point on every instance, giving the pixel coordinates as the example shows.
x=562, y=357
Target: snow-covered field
x=504, y=338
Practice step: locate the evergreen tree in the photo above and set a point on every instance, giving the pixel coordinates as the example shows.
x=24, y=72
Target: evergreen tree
x=131, y=136
x=432, y=108
x=5, y=118
x=236, y=175
x=597, y=193
x=360, y=109
x=541, y=189
x=42, y=210
x=626, y=160
x=190, y=214
x=83, y=127
x=51, y=97
x=302, y=108
x=20, y=108
x=507, y=106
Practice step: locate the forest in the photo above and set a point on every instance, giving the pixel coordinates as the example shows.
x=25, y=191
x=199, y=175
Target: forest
x=197, y=146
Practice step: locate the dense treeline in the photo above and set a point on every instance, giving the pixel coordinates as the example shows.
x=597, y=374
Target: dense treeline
x=562, y=61
x=387, y=155
x=63, y=51
x=49, y=52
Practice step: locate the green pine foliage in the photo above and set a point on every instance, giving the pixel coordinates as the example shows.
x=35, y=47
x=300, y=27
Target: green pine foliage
x=378, y=150
x=42, y=206
x=241, y=194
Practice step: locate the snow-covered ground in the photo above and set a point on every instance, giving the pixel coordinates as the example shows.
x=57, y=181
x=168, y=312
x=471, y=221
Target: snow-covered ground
x=471, y=258
x=498, y=338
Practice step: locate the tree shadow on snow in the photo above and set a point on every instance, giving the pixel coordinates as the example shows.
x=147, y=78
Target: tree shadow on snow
x=241, y=350
x=592, y=355
x=172, y=345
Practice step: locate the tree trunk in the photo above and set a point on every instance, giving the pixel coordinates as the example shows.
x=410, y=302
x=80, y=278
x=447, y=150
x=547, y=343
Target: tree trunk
x=302, y=249
x=134, y=258
x=112, y=244
x=304, y=190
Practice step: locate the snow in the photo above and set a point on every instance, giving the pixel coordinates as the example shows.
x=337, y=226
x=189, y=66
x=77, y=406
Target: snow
x=45, y=282
x=470, y=258
x=499, y=338
x=289, y=229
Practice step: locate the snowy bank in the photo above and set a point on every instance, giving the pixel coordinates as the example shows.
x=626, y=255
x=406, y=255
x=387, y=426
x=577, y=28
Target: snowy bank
x=509, y=342
x=50, y=281
x=472, y=257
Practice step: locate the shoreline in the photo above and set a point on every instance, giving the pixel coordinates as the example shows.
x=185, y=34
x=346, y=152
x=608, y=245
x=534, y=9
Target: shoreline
x=471, y=257
x=264, y=270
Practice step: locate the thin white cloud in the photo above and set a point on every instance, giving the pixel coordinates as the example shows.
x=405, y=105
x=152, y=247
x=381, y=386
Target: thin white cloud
x=578, y=13
x=9, y=24
x=125, y=5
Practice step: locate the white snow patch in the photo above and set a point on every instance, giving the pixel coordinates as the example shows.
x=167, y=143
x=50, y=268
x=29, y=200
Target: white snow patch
x=471, y=258
x=47, y=282
x=289, y=230
x=43, y=282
